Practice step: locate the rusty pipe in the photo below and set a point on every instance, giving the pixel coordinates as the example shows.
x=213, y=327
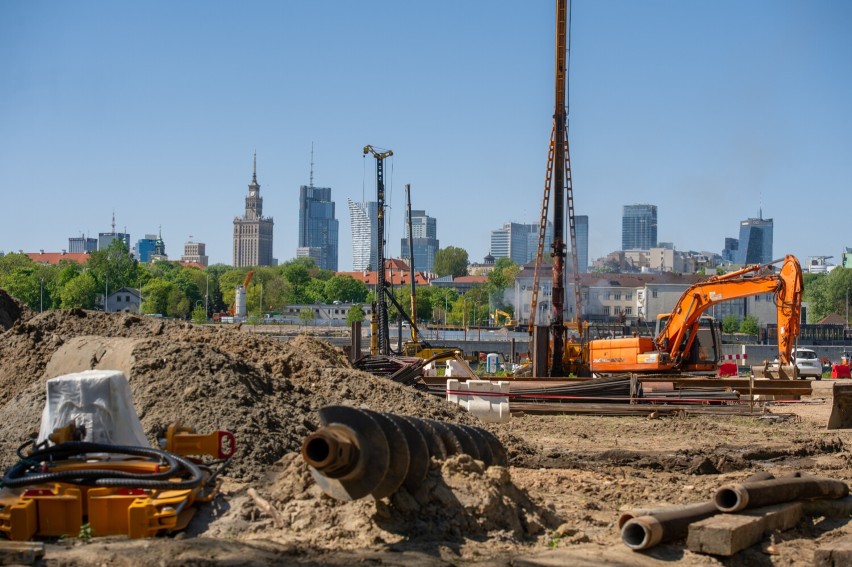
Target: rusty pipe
x=645, y=528
x=737, y=497
x=647, y=531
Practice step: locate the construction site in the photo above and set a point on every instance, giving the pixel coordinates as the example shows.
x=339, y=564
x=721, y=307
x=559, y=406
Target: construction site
x=135, y=440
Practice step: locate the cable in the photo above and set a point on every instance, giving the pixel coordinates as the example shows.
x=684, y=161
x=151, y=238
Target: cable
x=28, y=471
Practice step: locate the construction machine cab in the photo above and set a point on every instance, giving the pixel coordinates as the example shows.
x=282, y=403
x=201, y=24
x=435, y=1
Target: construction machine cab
x=706, y=349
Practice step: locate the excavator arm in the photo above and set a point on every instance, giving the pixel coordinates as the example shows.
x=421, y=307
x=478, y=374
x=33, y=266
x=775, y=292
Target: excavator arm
x=680, y=331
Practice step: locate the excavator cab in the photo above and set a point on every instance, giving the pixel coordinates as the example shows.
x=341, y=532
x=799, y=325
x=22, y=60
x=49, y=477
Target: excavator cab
x=706, y=350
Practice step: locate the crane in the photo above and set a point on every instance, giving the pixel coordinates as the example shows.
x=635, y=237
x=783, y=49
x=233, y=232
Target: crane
x=381, y=310
x=558, y=178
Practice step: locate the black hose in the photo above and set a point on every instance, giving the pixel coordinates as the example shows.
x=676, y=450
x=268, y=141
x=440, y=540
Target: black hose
x=21, y=473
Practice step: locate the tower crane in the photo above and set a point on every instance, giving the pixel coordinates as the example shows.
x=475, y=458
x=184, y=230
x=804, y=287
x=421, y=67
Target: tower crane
x=558, y=179
x=381, y=309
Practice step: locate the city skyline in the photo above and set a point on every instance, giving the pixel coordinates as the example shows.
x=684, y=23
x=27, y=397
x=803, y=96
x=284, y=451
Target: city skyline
x=118, y=107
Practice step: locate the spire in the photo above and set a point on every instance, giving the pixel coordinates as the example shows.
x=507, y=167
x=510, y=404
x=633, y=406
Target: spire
x=254, y=169
x=113, y=221
x=312, y=164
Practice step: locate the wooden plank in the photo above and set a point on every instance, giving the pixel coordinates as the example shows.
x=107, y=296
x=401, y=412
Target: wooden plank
x=727, y=534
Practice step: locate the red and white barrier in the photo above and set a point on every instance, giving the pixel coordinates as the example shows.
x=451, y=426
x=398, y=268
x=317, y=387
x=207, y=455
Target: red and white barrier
x=734, y=356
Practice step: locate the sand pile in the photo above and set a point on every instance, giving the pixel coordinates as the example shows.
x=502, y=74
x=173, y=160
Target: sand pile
x=459, y=500
x=211, y=377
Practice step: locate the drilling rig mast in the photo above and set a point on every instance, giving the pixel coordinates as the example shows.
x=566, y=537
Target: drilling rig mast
x=558, y=177
x=381, y=303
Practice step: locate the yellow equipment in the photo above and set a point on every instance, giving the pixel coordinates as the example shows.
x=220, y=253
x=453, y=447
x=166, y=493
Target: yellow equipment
x=117, y=490
x=509, y=322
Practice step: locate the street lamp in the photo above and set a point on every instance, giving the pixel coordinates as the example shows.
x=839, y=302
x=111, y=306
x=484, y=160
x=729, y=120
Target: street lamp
x=207, y=297
x=41, y=294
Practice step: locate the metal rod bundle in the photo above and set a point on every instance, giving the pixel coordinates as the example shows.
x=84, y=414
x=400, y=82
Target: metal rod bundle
x=359, y=452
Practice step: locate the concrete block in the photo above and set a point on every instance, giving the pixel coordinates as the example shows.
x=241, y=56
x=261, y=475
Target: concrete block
x=837, y=553
x=727, y=534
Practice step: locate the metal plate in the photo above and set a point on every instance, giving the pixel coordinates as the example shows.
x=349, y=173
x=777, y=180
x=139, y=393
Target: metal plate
x=467, y=442
x=434, y=443
x=451, y=442
x=399, y=456
x=498, y=451
x=482, y=445
x=418, y=452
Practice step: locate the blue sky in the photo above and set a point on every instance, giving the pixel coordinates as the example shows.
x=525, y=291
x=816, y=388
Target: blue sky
x=710, y=110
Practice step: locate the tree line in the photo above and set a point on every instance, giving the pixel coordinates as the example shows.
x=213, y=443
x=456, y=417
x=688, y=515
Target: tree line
x=175, y=290
x=179, y=291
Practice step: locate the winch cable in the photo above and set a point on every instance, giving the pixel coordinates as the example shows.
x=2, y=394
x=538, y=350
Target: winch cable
x=28, y=471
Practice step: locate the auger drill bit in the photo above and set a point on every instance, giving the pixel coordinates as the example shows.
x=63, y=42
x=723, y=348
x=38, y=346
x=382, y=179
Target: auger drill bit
x=358, y=452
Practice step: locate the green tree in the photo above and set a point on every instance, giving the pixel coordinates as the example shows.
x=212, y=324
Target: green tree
x=114, y=267
x=356, y=313
x=451, y=261
x=79, y=292
x=343, y=287
x=730, y=323
x=827, y=293
x=199, y=315
x=501, y=278
x=750, y=325
x=158, y=296
x=306, y=315
x=314, y=292
x=298, y=277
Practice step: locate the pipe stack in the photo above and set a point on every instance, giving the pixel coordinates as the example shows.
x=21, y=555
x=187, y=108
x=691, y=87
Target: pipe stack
x=645, y=529
x=359, y=452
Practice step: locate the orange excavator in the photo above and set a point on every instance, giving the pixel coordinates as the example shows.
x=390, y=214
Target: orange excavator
x=677, y=347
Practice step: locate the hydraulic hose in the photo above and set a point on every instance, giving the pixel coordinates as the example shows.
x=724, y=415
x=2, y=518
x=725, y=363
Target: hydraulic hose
x=21, y=473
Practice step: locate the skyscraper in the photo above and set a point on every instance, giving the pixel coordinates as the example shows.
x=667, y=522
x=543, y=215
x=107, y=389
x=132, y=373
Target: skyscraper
x=425, y=235
x=317, y=226
x=195, y=252
x=364, y=218
x=80, y=244
x=252, y=231
x=581, y=226
x=639, y=227
x=755, y=245
x=106, y=238
x=519, y=242
x=145, y=248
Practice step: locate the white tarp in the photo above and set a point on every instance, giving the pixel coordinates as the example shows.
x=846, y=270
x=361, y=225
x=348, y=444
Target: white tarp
x=100, y=401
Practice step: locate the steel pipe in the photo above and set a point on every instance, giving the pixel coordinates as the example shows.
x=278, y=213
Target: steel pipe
x=737, y=497
x=643, y=529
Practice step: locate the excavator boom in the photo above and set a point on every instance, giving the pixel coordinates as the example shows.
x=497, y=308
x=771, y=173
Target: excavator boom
x=676, y=338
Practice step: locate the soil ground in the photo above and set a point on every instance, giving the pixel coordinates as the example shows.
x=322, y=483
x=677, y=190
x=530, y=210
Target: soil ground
x=557, y=503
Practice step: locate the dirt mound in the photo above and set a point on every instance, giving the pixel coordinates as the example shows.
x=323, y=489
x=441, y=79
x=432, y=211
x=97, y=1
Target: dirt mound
x=10, y=310
x=264, y=390
x=458, y=501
